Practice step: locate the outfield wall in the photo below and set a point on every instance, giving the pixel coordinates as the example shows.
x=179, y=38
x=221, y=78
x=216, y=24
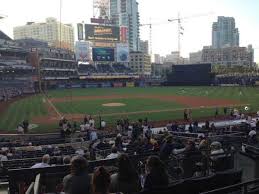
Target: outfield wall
x=190, y=75
x=98, y=84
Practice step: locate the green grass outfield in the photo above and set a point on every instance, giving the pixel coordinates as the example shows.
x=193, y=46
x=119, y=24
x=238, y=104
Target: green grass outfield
x=34, y=106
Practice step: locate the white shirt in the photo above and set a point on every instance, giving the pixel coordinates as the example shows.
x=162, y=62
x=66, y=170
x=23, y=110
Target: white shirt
x=112, y=156
x=20, y=129
x=87, y=126
x=252, y=133
x=216, y=152
x=91, y=122
x=40, y=165
x=3, y=158
x=82, y=127
x=103, y=124
x=38, y=148
x=80, y=152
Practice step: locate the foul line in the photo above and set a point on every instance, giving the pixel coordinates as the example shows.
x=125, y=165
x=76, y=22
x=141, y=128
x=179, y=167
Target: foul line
x=171, y=110
x=52, y=106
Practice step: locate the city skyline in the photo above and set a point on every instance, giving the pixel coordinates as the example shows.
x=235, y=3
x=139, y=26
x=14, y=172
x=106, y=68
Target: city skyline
x=197, y=30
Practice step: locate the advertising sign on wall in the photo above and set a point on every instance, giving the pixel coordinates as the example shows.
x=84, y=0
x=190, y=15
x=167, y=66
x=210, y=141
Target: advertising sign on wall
x=123, y=34
x=103, y=54
x=122, y=53
x=82, y=51
x=102, y=33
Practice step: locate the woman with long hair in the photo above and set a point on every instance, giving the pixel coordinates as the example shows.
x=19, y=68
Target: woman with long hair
x=101, y=181
x=78, y=181
x=156, y=174
x=127, y=179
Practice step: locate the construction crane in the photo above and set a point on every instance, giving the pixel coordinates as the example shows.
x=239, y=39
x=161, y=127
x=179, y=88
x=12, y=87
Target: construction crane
x=180, y=26
x=150, y=33
x=150, y=36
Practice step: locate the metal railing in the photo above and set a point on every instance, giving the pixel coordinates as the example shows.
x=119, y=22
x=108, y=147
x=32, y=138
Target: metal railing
x=243, y=188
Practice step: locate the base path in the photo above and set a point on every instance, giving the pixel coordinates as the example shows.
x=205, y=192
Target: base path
x=192, y=102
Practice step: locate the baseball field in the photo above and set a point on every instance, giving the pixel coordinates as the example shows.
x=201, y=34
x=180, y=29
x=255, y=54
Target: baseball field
x=156, y=103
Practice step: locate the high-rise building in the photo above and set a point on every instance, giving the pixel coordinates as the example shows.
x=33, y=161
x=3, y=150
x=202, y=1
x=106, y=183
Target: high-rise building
x=55, y=33
x=225, y=33
x=229, y=56
x=173, y=57
x=195, y=57
x=157, y=59
x=125, y=13
x=144, y=47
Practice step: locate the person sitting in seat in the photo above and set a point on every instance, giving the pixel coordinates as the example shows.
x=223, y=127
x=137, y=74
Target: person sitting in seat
x=216, y=150
x=252, y=138
x=93, y=135
x=203, y=145
x=101, y=181
x=3, y=156
x=66, y=160
x=118, y=141
x=156, y=174
x=167, y=148
x=103, y=145
x=126, y=180
x=191, y=156
x=78, y=181
x=44, y=163
x=114, y=153
x=56, y=151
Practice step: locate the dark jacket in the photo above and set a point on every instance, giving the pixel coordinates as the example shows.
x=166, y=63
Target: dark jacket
x=156, y=180
x=79, y=184
x=124, y=186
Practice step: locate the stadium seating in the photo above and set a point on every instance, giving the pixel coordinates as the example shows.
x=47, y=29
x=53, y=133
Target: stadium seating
x=56, y=173
x=87, y=70
x=243, y=80
x=111, y=69
x=120, y=68
x=105, y=68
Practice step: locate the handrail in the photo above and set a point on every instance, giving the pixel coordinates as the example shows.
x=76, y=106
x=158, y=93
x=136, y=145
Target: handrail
x=234, y=188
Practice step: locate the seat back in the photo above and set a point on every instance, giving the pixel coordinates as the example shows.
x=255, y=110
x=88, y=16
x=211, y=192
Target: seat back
x=227, y=178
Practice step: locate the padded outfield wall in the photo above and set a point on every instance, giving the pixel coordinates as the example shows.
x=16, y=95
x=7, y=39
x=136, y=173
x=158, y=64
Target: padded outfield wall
x=190, y=75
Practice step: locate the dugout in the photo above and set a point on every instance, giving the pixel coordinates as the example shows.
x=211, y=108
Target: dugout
x=190, y=75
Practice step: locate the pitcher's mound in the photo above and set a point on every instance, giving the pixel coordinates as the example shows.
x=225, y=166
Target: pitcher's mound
x=114, y=104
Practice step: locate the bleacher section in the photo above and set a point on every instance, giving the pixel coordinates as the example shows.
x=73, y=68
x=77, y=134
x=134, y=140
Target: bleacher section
x=242, y=80
x=212, y=173
x=86, y=70
x=108, y=69
x=120, y=68
x=105, y=68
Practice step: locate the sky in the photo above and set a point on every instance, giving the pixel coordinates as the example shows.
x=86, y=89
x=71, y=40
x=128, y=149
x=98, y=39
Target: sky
x=197, y=30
